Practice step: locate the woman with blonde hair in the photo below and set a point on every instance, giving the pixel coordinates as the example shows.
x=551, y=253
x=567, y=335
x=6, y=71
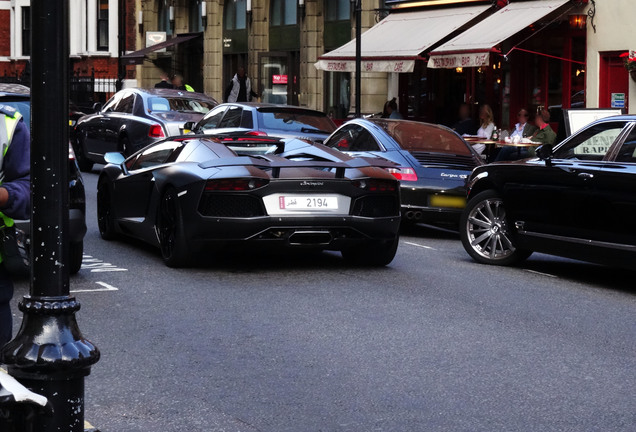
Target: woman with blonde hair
x=487, y=126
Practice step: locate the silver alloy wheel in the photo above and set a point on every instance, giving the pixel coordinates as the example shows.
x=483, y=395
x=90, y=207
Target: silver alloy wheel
x=487, y=230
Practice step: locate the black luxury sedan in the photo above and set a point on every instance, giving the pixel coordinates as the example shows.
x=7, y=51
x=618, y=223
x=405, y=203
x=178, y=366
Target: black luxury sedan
x=19, y=97
x=576, y=200
x=282, y=121
x=433, y=163
x=201, y=193
x=134, y=118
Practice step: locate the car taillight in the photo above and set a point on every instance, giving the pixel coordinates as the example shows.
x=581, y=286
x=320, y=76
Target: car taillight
x=155, y=131
x=376, y=185
x=403, y=174
x=256, y=133
x=235, y=184
x=71, y=153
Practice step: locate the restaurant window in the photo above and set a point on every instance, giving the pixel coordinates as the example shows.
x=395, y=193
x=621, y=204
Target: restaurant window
x=102, y=26
x=284, y=12
x=235, y=16
x=26, y=31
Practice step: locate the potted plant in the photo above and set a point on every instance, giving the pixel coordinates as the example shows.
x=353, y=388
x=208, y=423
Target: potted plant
x=629, y=60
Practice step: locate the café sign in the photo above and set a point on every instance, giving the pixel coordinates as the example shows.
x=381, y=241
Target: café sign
x=452, y=61
x=366, y=65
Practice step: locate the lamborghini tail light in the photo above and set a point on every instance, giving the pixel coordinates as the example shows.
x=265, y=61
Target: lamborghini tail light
x=403, y=173
x=156, y=131
x=234, y=185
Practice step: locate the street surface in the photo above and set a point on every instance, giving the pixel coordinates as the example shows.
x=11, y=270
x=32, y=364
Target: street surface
x=305, y=342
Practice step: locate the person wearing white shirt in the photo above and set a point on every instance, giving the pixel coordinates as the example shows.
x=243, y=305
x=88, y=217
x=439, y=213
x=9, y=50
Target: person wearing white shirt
x=523, y=129
x=486, y=119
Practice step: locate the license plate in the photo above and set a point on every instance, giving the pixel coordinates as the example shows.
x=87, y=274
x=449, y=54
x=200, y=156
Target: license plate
x=447, y=201
x=314, y=203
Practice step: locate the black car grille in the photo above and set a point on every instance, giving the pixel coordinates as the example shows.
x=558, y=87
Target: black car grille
x=444, y=160
x=376, y=206
x=226, y=205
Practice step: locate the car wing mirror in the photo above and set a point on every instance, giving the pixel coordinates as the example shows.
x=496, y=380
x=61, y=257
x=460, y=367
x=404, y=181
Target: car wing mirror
x=189, y=127
x=544, y=152
x=114, y=158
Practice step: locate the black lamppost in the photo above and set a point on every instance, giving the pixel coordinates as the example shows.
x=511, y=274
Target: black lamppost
x=49, y=355
x=357, y=6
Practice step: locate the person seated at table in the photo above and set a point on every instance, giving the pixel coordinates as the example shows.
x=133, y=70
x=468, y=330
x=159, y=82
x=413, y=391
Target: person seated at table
x=465, y=125
x=544, y=134
x=523, y=128
x=486, y=119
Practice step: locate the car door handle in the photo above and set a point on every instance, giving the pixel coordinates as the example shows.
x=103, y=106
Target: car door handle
x=585, y=176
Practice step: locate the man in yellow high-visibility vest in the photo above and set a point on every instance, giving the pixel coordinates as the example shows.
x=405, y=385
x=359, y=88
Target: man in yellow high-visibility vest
x=15, y=149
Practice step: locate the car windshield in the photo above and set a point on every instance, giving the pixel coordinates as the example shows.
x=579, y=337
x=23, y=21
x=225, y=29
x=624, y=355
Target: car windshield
x=421, y=137
x=22, y=106
x=162, y=104
x=295, y=121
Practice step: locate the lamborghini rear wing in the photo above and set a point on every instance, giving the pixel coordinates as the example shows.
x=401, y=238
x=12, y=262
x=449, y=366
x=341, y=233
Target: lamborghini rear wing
x=276, y=163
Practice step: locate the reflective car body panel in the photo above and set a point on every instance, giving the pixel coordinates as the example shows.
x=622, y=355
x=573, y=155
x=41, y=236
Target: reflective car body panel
x=134, y=118
x=300, y=194
x=440, y=159
x=283, y=121
x=579, y=201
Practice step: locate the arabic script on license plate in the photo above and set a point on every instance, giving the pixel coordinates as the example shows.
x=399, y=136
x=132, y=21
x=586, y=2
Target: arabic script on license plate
x=318, y=203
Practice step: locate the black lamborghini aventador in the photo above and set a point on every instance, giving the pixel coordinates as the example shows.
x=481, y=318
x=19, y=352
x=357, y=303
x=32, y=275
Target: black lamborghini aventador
x=202, y=193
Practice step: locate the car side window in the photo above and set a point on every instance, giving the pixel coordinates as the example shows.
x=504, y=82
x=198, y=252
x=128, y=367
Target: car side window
x=156, y=155
x=126, y=104
x=247, y=121
x=627, y=152
x=110, y=105
x=232, y=118
x=592, y=143
x=354, y=138
x=211, y=121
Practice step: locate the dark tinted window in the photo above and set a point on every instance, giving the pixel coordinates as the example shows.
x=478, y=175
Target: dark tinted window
x=627, y=153
x=157, y=155
x=354, y=138
x=112, y=102
x=212, y=119
x=247, y=120
x=290, y=120
x=126, y=103
x=232, y=118
x=592, y=143
x=422, y=137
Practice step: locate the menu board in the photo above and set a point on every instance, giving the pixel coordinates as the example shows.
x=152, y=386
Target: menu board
x=576, y=119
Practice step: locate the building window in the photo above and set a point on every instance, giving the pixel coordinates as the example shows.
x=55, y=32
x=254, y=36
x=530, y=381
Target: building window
x=194, y=16
x=284, y=12
x=26, y=31
x=337, y=10
x=235, y=15
x=163, y=23
x=102, y=25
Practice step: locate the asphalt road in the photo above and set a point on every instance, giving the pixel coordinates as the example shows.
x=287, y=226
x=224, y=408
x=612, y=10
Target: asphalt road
x=433, y=342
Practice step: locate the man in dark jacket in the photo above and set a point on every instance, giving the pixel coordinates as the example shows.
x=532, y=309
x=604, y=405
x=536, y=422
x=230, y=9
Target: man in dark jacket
x=15, y=150
x=165, y=82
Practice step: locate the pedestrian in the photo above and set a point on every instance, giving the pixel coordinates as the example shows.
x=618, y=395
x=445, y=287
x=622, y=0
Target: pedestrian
x=392, y=109
x=465, y=125
x=240, y=88
x=177, y=83
x=165, y=82
x=544, y=134
x=15, y=197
